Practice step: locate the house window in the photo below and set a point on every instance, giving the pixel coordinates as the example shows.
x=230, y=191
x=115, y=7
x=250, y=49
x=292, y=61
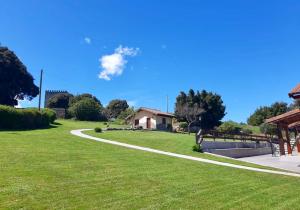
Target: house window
x=136, y=122
x=164, y=121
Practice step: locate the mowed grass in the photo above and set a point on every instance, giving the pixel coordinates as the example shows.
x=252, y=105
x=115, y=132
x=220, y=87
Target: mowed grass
x=51, y=169
x=166, y=141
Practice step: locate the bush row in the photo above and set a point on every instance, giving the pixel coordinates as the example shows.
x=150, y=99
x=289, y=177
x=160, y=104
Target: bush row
x=12, y=118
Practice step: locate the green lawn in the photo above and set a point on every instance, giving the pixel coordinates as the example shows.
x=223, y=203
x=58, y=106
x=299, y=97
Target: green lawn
x=51, y=169
x=166, y=141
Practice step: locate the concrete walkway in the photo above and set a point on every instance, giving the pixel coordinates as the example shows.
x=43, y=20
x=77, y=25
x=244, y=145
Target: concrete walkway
x=289, y=163
x=80, y=134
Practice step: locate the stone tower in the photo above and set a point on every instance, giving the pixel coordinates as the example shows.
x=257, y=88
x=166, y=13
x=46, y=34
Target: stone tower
x=50, y=93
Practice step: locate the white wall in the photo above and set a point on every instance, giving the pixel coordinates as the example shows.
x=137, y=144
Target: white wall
x=159, y=120
x=142, y=117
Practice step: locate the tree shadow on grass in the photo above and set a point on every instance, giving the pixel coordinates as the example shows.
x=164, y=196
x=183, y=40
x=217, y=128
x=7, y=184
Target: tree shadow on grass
x=51, y=126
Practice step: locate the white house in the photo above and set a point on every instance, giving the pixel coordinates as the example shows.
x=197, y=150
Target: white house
x=151, y=119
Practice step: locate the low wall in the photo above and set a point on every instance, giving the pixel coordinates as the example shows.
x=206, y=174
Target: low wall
x=236, y=149
x=227, y=145
x=241, y=152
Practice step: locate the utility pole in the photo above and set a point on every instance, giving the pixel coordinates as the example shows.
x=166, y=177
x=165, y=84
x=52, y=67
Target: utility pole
x=167, y=103
x=40, y=92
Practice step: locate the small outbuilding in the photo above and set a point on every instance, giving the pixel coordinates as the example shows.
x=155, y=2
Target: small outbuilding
x=147, y=118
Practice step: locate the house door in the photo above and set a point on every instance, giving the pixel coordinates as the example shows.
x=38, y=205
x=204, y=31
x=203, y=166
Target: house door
x=148, y=123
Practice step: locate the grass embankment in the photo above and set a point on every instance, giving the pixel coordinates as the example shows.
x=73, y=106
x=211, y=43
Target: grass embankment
x=51, y=169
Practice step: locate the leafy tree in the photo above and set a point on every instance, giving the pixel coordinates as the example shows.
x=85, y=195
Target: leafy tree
x=265, y=112
x=16, y=83
x=192, y=106
x=190, y=112
x=294, y=105
x=268, y=129
x=259, y=116
x=77, y=98
x=126, y=113
x=61, y=100
x=279, y=108
x=87, y=109
x=230, y=127
x=115, y=107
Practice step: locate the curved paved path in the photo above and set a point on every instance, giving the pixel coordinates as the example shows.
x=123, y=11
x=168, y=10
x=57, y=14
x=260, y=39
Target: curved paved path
x=80, y=134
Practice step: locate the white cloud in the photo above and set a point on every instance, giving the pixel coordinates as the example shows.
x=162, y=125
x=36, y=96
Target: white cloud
x=87, y=40
x=114, y=64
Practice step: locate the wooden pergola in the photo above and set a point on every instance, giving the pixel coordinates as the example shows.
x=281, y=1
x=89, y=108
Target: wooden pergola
x=289, y=121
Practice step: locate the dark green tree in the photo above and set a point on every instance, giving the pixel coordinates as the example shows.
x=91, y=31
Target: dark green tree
x=265, y=112
x=61, y=100
x=205, y=105
x=115, y=107
x=16, y=83
x=77, y=98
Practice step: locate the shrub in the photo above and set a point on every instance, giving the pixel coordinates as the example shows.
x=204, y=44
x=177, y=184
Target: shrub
x=246, y=131
x=119, y=121
x=12, y=118
x=98, y=130
x=230, y=127
x=197, y=148
x=183, y=125
x=87, y=109
x=50, y=114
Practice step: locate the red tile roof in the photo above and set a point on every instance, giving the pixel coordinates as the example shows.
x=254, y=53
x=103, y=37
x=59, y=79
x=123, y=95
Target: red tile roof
x=295, y=92
x=156, y=112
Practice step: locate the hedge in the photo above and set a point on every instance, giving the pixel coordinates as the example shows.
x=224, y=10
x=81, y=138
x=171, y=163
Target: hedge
x=31, y=118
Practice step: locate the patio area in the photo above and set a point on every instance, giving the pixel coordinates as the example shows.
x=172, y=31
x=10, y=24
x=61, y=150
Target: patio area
x=290, y=163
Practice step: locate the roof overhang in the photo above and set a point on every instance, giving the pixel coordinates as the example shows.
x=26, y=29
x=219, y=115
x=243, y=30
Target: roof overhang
x=156, y=112
x=286, y=119
x=295, y=125
x=295, y=93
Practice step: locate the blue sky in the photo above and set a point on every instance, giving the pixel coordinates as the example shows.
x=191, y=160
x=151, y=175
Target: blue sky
x=247, y=51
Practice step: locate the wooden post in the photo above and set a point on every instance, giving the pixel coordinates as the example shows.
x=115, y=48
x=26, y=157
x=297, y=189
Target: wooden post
x=298, y=144
x=281, y=142
x=288, y=140
x=40, y=90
